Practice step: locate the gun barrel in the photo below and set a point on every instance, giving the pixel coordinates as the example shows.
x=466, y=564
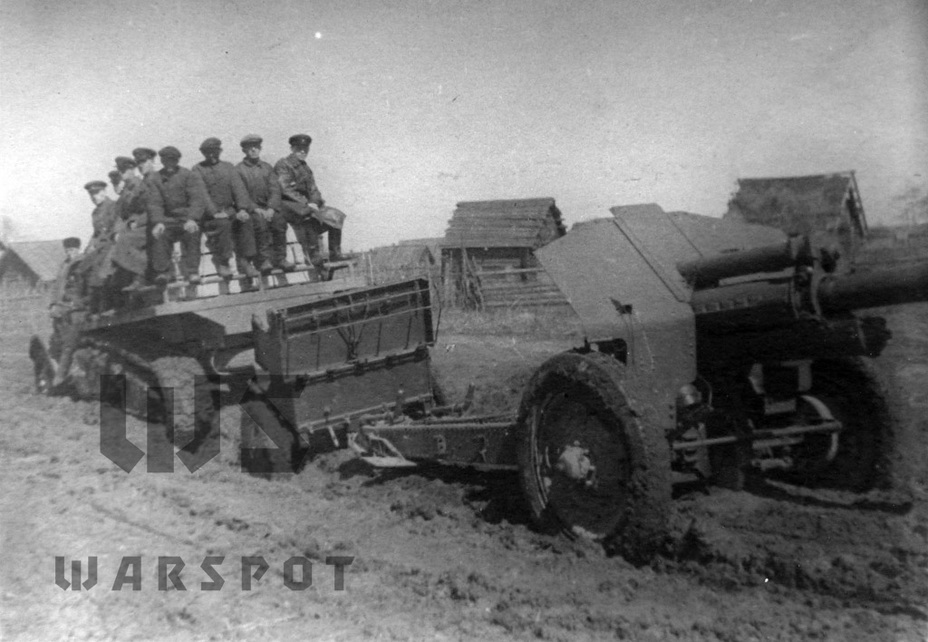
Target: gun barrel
x=875, y=288
x=706, y=272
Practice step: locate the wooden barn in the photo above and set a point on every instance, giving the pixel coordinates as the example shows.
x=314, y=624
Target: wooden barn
x=488, y=250
x=405, y=260
x=825, y=206
x=29, y=265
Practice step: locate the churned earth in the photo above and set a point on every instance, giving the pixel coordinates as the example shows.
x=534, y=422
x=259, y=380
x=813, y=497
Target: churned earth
x=438, y=553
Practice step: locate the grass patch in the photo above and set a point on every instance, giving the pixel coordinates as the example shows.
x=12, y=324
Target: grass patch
x=556, y=322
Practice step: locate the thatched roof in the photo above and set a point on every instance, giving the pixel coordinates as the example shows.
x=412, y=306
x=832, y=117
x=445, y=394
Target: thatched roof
x=42, y=258
x=800, y=204
x=524, y=223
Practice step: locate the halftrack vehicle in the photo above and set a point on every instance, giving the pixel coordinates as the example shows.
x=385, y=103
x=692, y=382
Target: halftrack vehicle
x=710, y=348
x=186, y=339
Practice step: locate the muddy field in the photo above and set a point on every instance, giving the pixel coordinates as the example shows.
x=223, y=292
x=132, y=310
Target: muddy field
x=440, y=554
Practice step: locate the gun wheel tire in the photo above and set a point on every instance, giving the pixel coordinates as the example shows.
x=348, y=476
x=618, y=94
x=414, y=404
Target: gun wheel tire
x=851, y=390
x=587, y=464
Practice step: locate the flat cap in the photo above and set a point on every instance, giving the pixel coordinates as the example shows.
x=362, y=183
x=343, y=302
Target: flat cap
x=169, y=152
x=95, y=186
x=211, y=143
x=115, y=176
x=71, y=241
x=124, y=162
x=250, y=140
x=300, y=140
x=142, y=154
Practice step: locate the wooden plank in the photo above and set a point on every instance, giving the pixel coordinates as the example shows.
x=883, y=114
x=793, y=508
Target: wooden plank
x=532, y=217
x=534, y=270
x=545, y=201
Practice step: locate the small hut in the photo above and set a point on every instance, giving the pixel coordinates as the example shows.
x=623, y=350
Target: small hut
x=825, y=206
x=29, y=265
x=495, y=241
x=406, y=260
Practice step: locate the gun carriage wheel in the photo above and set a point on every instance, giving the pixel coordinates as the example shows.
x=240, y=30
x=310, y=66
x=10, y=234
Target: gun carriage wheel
x=850, y=389
x=588, y=465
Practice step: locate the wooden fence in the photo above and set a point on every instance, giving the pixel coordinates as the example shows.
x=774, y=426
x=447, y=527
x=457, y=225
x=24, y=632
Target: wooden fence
x=515, y=288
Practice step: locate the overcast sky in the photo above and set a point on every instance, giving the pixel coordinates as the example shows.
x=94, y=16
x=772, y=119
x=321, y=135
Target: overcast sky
x=416, y=105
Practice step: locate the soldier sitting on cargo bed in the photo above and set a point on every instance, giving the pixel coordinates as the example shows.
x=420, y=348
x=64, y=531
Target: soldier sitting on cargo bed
x=228, y=219
x=303, y=205
x=264, y=190
x=175, y=211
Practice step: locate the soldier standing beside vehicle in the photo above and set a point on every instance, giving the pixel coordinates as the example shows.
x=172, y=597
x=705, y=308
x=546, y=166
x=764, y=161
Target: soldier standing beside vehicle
x=175, y=209
x=68, y=309
x=228, y=218
x=303, y=205
x=264, y=190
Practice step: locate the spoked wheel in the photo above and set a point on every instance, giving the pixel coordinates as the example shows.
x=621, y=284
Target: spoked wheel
x=857, y=457
x=587, y=464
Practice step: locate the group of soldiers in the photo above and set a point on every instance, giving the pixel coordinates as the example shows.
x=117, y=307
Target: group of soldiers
x=243, y=210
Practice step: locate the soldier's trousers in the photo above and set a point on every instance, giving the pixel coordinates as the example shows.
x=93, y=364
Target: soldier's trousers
x=65, y=336
x=162, y=249
x=131, y=250
x=225, y=235
x=307, y=231
x=271, y=239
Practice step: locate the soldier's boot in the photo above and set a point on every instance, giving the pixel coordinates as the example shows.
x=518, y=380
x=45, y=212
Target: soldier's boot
x=137, y=284
x=63, y=367
x=264, y=266
x=335, y=245
x=285, y=265
x=245, y=268
x=224, y=271
x=315, y=257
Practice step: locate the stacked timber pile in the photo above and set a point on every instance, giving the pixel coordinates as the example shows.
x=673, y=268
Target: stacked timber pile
x=487, y=254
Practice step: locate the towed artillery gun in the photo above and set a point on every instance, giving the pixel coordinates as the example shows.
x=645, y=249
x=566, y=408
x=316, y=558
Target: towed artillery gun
x=710, y=348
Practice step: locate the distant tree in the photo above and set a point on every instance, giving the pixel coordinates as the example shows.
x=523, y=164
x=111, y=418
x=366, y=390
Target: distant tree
x=7, y=229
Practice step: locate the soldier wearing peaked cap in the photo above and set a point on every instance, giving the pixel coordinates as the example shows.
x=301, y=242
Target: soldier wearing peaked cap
x=130, y=253
x=176, y=207
x=269, y=223
x=96, y=264
x=229, y=212
x=303, y=205
x=145, y=159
